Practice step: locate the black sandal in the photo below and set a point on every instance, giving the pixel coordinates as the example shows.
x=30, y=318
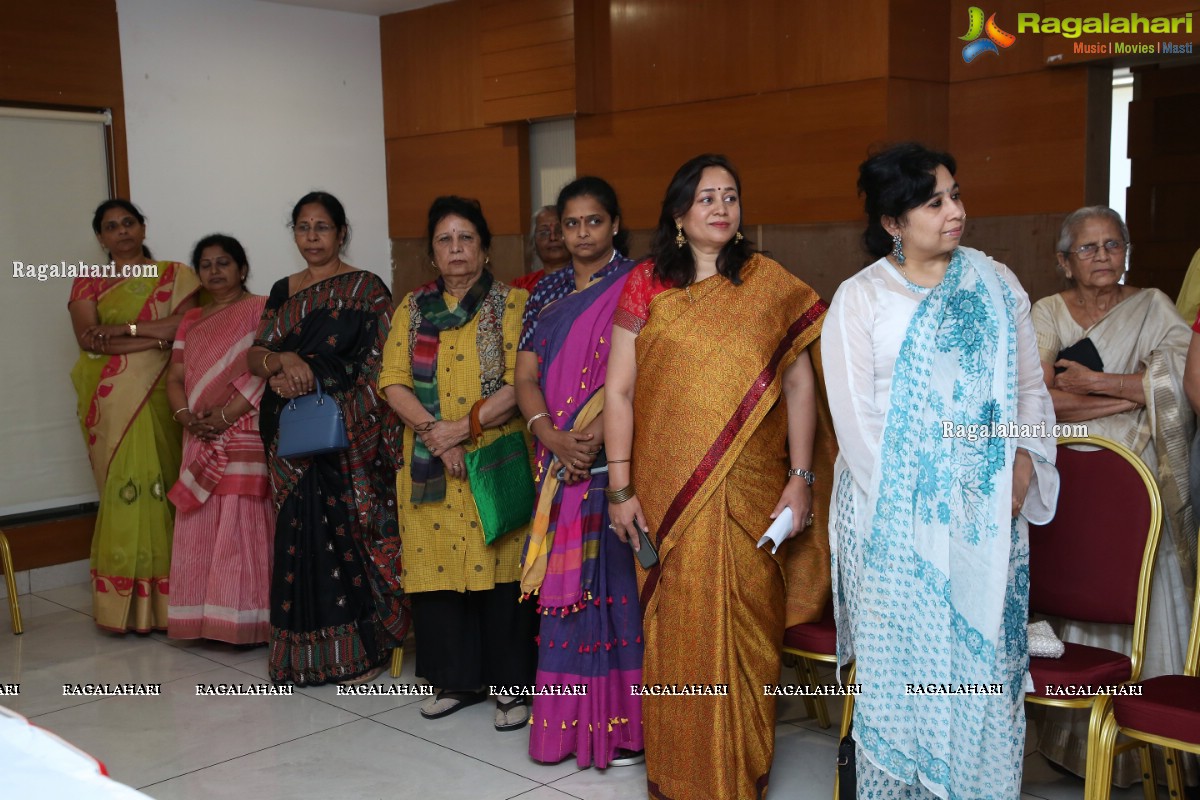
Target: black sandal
x=461, y=701
x=504, y=708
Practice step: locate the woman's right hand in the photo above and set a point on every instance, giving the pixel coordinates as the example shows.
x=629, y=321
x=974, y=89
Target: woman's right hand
x=455, y=462
x=574, y=451
x=297, y=373
x=621, y=518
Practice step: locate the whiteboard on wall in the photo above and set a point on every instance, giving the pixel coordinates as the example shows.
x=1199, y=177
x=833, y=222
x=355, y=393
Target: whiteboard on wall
x=54, y=173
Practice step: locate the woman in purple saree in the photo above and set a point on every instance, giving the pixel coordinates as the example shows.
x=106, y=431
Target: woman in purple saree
x=583, y=577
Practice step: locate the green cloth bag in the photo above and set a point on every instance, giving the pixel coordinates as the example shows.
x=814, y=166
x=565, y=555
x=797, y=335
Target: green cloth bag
x=501, y=481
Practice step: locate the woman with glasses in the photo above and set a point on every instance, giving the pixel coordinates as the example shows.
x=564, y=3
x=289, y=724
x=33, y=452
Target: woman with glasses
x=124, y=325
x=336, y=607
x=1129, y=388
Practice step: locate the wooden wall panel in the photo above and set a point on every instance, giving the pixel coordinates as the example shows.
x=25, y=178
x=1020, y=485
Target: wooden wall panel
x=1021, y=142
x=919, y=39
x=489, y=164
x=682, y=51
x=797, y=151
x=528, y=59
x=65, y=54
x=432, y=69
x=918, y=111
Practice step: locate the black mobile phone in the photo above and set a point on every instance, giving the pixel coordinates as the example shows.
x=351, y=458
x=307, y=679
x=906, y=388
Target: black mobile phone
x=647, y=556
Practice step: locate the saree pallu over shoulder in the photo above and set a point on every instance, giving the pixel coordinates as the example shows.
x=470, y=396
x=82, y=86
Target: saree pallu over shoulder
x=709, y=462
x=113, y=390
x=688, y=449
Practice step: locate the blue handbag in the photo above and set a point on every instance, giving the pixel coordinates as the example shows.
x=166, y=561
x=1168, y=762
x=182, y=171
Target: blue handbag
x=310, y=425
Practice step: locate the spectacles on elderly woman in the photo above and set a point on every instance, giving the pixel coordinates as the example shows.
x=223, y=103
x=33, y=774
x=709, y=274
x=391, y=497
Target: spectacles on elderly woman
x=322, y=228
x=1087, y=252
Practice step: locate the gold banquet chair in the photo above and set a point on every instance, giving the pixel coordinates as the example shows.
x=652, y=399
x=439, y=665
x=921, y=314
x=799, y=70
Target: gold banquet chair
x=817, y=641
x=6, y=563
x=1166, y=713
x=1094, y=563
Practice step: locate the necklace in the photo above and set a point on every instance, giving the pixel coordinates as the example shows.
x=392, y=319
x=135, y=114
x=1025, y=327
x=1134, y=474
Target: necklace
x=310, y=277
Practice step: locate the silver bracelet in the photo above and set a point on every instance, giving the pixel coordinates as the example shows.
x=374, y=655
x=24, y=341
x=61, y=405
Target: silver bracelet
x=227, y=422
x=535, y=418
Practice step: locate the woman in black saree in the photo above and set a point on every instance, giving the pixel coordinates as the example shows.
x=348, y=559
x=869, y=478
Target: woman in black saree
x=336, y=604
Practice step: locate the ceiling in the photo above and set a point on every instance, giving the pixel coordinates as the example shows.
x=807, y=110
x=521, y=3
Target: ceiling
x=375, y=8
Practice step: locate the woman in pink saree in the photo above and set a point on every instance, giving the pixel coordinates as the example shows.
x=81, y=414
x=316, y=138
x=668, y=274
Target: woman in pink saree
x=224, y=520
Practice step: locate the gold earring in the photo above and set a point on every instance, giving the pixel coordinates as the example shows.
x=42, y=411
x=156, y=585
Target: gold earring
x=680, y=239
x=737, y=237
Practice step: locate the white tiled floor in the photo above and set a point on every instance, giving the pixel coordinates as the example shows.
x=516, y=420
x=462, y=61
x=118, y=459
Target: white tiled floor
x=316, y=744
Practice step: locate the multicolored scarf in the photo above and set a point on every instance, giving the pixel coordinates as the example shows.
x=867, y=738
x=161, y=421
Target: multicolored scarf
x=428, y=473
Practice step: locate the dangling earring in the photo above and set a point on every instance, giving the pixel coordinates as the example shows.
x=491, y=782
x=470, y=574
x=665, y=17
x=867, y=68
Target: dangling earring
x=897, y=248
x=737, y=237
x=680, y=239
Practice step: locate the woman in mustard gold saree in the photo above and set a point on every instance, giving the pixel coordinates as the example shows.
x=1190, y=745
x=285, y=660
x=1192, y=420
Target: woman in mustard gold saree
x=709, y=426
x=124, y=326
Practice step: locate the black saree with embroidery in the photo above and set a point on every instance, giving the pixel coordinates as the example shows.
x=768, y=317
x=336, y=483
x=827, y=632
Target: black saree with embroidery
x=336, y=603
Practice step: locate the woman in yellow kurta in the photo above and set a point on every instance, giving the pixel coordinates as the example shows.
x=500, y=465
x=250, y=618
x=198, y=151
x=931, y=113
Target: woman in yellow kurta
x=453, y=344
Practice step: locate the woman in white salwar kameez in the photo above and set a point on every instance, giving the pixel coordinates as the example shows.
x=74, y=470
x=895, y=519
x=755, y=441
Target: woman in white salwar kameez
x=929, y=530
x=1137, y=399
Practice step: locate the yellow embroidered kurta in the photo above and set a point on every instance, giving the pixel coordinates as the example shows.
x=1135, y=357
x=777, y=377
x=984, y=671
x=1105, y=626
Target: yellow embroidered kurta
x=443, y=541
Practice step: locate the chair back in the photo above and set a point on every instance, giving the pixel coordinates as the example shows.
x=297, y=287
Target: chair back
x=1093, y=562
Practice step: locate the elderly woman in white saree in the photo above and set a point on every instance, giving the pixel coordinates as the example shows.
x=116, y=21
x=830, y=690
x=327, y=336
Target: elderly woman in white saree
x=929, y=531
x=1135, y=397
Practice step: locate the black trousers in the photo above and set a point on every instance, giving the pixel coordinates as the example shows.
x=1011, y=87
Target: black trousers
x=468, y=640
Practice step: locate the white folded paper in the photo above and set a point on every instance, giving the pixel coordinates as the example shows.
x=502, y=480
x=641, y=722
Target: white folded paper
x=779, y=530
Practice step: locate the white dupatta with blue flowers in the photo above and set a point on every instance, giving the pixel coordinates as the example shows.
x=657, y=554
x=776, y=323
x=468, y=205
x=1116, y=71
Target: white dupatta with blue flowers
x=934, y=583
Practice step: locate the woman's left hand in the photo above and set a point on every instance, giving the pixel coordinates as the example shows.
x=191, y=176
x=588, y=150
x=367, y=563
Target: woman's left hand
x=1022, y=476
x=1076, y=378
x=796, y=495
x=446, y=435
x=455, y=462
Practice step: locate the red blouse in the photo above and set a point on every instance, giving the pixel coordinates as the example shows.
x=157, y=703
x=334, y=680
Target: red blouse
x=633, y=307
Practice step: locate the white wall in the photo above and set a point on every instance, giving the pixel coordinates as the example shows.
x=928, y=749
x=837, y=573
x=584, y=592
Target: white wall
x=236, y=108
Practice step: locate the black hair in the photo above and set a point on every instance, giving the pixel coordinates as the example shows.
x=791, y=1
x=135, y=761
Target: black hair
x=466, y=207
x=227, y=243
x=333, y=207
x=603, y=193
x=894, y=181
x=124, y=205
x=676, y=264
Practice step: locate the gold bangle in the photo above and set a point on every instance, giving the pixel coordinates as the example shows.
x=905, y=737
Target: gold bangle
x=618, y=461
x=266, y=366
x=178, y=411
x=618, y=496
x=227, y=422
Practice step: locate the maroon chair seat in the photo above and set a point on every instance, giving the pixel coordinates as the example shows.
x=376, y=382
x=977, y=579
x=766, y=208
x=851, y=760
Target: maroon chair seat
x=813, y=637
x=1080, y=665
x=1169, y=706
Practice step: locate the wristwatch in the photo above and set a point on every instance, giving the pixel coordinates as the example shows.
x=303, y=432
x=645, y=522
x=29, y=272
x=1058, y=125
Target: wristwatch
x=809, y=477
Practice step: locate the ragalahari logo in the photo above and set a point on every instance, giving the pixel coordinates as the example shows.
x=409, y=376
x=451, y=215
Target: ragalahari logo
x=996, y=38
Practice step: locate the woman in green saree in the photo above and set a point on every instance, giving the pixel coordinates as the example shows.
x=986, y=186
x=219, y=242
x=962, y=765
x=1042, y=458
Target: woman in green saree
x=124, y=324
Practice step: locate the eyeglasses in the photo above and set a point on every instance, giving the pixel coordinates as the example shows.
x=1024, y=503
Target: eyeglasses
x=322, y=228
x=1087, y=252
x=544, y=233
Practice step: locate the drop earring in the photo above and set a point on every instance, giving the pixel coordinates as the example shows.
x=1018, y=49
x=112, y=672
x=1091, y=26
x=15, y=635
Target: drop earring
x=737, y=237
x=897, y=248
x=680, y=239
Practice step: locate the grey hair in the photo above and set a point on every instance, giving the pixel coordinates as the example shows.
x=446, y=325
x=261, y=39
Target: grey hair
x=1067, y=232
x=535, y=261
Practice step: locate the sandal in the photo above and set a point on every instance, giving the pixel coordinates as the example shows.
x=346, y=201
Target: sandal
x=445, y=703
x=366, y=677
x=505, y=722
